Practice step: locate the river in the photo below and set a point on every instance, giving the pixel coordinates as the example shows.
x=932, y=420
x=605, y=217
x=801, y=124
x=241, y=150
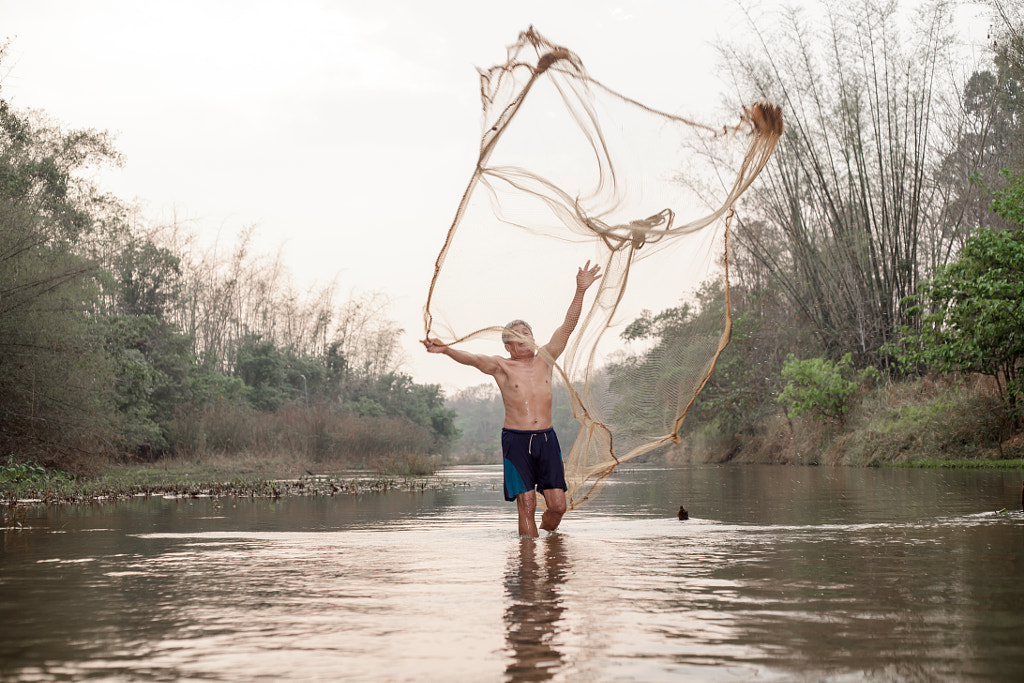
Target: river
x=780, y=574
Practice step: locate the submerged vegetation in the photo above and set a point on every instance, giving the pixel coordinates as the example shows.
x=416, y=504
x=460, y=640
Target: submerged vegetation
x=219, y=477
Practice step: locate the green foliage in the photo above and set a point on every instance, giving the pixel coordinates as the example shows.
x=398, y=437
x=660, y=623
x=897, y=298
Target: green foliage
x=366, y=407
x=102, y=326
x=149, y=279
x=667, y=324
x=261, y=365
x=669, y=333
x=25, y=479
x=21, y=472
x=56, y=381
x=972, y=313
x=1015, y=464
x=821, y=387
x=735, y=399
x=39, y=170
x=154, y=368
x=396, y=395
x=1009, y=202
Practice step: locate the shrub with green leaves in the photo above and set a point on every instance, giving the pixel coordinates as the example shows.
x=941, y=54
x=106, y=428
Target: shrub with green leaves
x=821, y=387
x=16, y=473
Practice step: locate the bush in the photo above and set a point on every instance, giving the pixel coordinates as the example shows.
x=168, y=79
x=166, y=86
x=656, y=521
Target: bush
x=821, y=387
x=317, y=434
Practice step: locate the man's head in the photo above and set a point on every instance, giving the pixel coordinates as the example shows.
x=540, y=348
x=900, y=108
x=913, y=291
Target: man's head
x=507, y=335
x=513, y=335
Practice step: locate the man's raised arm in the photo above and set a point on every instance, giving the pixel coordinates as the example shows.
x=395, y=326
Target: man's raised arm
x=585, y=277
x=485, y=364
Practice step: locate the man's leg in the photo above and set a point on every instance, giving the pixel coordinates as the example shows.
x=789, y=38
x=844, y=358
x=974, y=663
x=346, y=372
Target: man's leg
x=554, y=500
x=527, y=505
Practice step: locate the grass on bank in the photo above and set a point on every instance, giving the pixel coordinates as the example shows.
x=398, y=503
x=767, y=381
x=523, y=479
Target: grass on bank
x=959, y=421
x=945, y=420
x=225, y=449
x=222, y=475
x=1014, y=464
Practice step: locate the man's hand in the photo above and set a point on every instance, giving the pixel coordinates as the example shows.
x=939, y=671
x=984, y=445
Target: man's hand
x=587, y=275
x=433, y=345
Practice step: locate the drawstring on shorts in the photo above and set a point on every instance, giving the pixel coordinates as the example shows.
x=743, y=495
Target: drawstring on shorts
x=529, y=446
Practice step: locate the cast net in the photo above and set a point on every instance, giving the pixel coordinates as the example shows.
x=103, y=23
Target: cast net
x=571, y=171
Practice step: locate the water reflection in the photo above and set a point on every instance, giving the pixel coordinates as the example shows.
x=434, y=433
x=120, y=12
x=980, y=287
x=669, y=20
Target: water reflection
x=534, y=583
x=779, y=574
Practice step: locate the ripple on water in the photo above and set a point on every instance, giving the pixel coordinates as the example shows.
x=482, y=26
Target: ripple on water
x=438, y=586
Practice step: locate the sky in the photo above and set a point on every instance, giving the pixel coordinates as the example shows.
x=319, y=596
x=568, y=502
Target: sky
x=345, y=131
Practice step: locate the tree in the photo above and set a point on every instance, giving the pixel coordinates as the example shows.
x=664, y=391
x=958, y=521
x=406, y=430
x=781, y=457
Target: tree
x=113, y=337
x=149, y=279
x=989, y=137
x=737, y=398
x=848, y=214
x=153, y=369
x=262, y=366
x=480, y=415
x=56, y=380
x=669, y=333
x=1008, y=41
x=1009, y=202
x=972, y=314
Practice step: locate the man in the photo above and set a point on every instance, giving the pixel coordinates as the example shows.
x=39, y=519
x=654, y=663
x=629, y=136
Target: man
x=532, y=457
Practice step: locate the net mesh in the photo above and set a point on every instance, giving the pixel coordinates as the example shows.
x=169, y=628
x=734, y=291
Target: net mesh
x=569, y=171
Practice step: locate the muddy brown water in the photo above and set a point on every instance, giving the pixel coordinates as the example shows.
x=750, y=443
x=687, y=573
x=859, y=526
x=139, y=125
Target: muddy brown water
x=780, y=574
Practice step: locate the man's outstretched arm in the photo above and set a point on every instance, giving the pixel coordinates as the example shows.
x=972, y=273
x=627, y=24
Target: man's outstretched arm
x=585, y=276
x=485, y=364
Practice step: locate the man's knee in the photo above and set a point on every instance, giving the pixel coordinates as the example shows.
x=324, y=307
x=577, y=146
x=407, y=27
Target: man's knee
x=554, y=500
x=527, y=502
x=558, y=508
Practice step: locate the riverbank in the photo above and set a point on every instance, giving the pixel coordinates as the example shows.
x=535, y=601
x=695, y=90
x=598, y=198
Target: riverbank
x=937, y=423
x=933, y=421
x=239, y=476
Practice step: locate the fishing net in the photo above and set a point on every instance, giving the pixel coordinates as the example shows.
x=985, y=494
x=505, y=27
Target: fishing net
x=571, y=171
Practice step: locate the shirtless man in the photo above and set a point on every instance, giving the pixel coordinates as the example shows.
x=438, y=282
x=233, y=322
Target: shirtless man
x=532, y=457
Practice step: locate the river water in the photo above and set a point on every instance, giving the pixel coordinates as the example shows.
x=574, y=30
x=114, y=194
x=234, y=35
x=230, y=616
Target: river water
x=780, y=574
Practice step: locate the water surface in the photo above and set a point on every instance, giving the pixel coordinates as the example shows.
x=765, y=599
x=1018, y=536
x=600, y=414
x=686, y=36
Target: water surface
x=781, y=573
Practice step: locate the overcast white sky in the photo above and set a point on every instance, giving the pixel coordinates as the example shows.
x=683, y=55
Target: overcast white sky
x=345, y=130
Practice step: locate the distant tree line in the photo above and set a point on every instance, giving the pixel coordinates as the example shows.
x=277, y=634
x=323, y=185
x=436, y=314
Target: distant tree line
x=119, y=340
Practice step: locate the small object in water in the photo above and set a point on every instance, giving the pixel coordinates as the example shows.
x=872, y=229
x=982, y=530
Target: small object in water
x=683, y=514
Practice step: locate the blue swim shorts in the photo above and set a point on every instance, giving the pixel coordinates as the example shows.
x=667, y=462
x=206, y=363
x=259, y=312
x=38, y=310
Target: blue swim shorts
x=533, y=460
